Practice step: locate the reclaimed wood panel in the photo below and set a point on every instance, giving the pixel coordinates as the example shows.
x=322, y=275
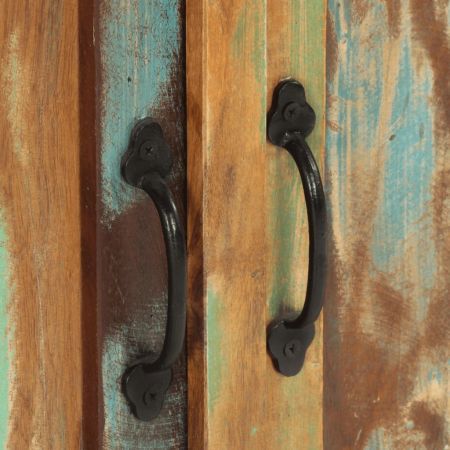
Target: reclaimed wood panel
x=40, y=262
x=296, y=32
x=245, y=204
x=226, y=78
x=387, y=320
x=140, y=73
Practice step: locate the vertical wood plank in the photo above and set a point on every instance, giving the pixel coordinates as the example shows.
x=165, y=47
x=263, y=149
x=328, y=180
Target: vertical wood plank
x=387, y=321
x=40, y=231
x=89, y=162
x=240, y=192
x=296, y=48
x=141, y=73
x=196, y=141
x=226, y=142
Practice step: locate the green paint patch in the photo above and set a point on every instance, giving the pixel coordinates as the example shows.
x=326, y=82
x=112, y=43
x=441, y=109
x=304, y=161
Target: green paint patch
x=251, y=26
x=253, y=431
x=4, y=341
x=287, y=198
x=215, y=343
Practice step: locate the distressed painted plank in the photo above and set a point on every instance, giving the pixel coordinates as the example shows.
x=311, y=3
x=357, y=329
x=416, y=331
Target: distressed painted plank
x=387, y=321
x=295, y=48
x=239, y=226
x=40, y=277
x=140, y=73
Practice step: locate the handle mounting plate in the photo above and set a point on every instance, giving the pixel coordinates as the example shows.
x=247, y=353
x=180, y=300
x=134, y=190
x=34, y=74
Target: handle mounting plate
x=290, y=113
x=147, y=152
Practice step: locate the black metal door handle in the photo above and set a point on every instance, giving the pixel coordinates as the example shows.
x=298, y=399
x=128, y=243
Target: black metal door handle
x=290, y=120
x=145, y=165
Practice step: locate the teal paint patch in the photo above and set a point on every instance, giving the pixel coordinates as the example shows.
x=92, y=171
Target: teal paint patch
x=406, y=207
x=4, y=340
x=378, y=440
x=359, y=77
x=215, y=343
x=140, y=43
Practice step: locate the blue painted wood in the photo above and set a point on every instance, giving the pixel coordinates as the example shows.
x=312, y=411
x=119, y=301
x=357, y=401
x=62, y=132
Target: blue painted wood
x=387, y=317
x=141, y=74
x=139, y=52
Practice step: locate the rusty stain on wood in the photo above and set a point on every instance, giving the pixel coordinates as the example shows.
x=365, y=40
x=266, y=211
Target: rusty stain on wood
x=386, y=320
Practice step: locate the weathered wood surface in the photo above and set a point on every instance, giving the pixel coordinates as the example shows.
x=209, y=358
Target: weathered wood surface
x=387, y=316
x=140, y=73
x=295, y=48
x=40, y=277
x=246, y=211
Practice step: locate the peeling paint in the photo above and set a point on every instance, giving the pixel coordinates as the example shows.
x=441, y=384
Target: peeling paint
x=139, y=46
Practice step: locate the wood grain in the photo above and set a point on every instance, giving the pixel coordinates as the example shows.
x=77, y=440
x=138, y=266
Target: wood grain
x=236, y=230
x=89, y=163
x=296, y=49
x=140, y=73
x=40, y=217
x=387, y=317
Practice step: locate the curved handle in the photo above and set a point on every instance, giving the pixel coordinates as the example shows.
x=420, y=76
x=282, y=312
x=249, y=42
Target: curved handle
x=145, y=165
x=290, y=121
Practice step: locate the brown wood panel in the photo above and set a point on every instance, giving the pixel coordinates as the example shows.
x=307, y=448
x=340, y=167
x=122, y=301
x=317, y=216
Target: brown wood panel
x=89, y=158
x=228, y=295
x=40, y=214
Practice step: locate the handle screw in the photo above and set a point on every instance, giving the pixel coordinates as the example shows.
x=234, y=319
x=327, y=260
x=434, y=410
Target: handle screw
x=147, y=150
x=292, y=111
x=292, y=348
x=149, y=397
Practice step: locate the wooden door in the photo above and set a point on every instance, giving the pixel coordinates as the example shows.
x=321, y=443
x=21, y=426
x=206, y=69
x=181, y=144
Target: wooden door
x=83, y=276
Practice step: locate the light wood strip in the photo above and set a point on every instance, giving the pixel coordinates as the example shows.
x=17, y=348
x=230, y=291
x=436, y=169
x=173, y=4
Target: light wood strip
x=231, y=159
x=39, y=201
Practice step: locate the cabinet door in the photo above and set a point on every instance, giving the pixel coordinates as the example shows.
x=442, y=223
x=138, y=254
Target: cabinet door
x=83, y=267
